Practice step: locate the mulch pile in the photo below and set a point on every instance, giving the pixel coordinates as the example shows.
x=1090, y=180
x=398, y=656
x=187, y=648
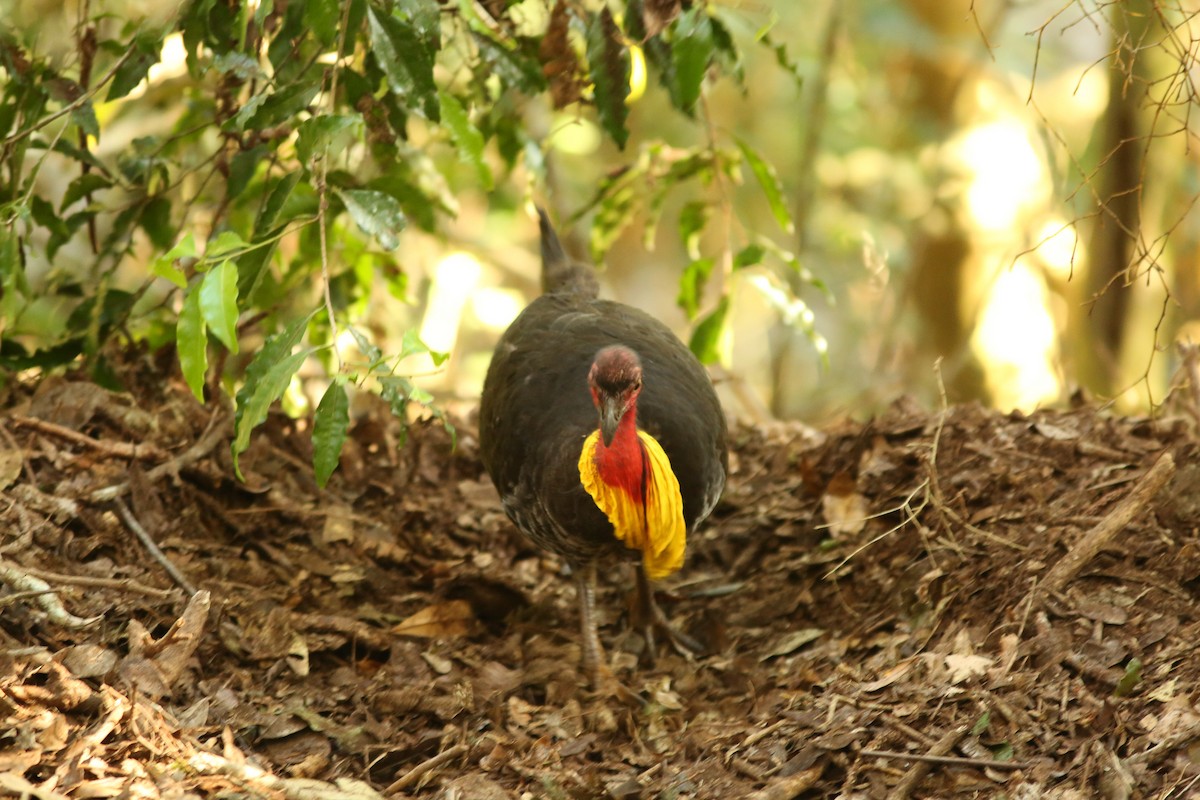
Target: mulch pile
x=946, y=604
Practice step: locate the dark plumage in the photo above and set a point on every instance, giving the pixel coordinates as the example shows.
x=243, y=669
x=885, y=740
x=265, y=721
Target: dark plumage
x=546, y=392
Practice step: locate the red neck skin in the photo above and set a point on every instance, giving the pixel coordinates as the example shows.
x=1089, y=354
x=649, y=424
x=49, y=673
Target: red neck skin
x=622, y=464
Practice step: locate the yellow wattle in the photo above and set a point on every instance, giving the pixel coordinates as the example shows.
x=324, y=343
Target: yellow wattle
x=658, y=529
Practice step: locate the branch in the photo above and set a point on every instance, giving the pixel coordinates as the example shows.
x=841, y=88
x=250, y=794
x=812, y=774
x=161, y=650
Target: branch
x=1094, y=540
x=45, y=597
x=78, y=102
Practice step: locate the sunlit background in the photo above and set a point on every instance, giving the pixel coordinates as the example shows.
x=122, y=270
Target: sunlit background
x=950, y=205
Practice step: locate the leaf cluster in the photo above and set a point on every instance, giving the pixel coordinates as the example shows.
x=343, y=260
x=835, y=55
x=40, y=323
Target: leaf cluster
x=277, y=167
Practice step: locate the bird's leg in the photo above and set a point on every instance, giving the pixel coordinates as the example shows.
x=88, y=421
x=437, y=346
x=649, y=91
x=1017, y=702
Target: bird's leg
x=653, y=617
x=593, y=653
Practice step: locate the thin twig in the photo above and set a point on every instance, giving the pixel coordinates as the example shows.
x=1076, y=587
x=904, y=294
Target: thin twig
x=121, y=584
x=949, y=761
x=419, y=771
x=147, y=541
x=115, y=449
x=21, y=581
x=78, y=102
x=1094, y=540
x=917, y=772
x=193, y=454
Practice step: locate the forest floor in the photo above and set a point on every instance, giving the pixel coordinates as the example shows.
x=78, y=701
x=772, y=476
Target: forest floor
x=930, y=605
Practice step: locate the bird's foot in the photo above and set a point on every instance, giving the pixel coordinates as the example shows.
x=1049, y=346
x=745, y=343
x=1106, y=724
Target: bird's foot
x=606, y=685
x=653, y=619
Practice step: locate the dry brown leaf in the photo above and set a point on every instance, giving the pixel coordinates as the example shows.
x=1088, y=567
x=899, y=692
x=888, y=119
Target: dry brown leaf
x=440, y=620
x=889, y=677
x=560, y=64
x=792, y=641
x=845, y=509
x=10, y=467
x=963, y=667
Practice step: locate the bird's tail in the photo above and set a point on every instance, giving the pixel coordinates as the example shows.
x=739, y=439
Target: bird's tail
x=559, y=272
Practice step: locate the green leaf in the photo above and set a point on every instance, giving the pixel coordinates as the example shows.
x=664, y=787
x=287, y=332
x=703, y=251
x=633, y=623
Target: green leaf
x=85, y=118
x=242, y=67
x=727, y=51
x=322, y=17
x=982, y=723
x=14, y=357
x=13, y=281
x=269, y=388
x=406, y=53
x=156, y=222
x=83, y=186
x=242, y=168
x=369, y=349
x=376, y=213
x=1131, y=678
x=608, y=62
x=273, y=350
x=468, y=138
x=191, y=342
x=748, y=256
x=691, y=285
x=165, y=265
x=692, y=219
x=44, y=214
x=218, y=303
x=270, y=210
x=130, y=73
x=252, y=265
x=769, y=181
x=691, y=51
x=330, y=425
x=327, y=132
x=265, y=112
x=226, y=244
x=513, y=67
x=706, y=338
x=413, y=344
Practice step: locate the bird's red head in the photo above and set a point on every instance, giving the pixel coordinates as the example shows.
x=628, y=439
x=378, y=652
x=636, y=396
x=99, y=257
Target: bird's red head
x=615, y=380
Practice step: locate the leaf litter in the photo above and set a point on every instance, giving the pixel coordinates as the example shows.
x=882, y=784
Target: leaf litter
x=965, y=604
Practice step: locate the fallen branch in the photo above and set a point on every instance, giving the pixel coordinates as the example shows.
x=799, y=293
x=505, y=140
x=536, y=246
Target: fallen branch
x=113, y=449
x=45, y=596
x=791, y=786
x=203, y=446
x=120, y=584
x=949, y=761
x=1095, y=539
x=917, y=772
x=155, y=551
x=420, y=770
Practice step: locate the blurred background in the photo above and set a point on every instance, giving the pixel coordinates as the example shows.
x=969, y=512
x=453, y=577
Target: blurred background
x=1010, y=187
x=1007, y=187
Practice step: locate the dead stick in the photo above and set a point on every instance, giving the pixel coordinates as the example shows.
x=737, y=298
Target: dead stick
x=790, y=786
x=949, y=761
x=116, y=449
x=1095, y=539
x=122, y=584
x=417, y=772
x=917, y=772
x=194, y=453
x=17, y=578
x=149, y=543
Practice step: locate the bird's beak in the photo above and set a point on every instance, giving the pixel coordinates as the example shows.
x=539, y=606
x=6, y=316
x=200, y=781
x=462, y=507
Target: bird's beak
x=611, y=411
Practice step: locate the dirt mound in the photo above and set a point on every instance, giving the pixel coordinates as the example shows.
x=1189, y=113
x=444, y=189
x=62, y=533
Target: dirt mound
x=952, y=604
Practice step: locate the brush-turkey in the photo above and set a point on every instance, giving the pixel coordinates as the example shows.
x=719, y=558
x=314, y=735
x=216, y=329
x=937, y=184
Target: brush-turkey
x=603, y=435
